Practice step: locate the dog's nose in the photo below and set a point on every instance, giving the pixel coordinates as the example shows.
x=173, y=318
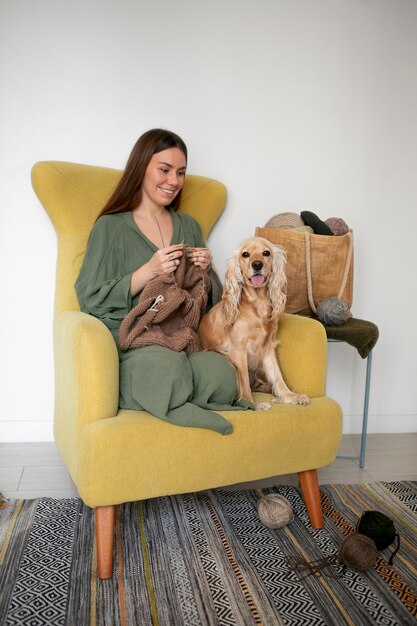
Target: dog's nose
x=257, y=265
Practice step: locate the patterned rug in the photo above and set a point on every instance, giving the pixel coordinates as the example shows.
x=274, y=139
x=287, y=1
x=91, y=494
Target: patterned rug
x=205, y=558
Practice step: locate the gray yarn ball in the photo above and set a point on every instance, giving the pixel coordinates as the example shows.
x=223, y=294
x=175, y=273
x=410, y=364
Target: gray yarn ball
x=275, y=511
x=333, y=311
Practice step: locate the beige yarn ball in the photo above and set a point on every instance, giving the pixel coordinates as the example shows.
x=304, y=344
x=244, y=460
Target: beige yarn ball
x=305, y=229
x=275, y=511
x=287, y=221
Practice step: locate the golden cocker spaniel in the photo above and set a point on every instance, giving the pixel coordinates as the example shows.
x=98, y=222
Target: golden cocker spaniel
x=243, y=325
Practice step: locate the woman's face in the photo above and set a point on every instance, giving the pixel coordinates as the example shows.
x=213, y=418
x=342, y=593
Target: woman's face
x=164, y=177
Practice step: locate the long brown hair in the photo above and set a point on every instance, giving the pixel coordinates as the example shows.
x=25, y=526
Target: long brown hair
x=128, y=192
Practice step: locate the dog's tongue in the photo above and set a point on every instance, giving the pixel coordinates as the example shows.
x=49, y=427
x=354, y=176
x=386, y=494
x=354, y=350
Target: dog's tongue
x=257, y=280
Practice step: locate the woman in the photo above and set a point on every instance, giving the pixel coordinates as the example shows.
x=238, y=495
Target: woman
x=139, y=236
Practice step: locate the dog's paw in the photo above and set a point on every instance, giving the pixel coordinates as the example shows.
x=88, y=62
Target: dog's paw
x=300, y=398
x=262, y=406
x=293, y=398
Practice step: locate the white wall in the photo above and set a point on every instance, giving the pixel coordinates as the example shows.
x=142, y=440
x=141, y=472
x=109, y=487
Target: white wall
x=307, y=105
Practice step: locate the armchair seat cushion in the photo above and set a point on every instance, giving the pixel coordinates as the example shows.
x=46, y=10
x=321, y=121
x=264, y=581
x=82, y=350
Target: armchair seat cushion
x=134, y=455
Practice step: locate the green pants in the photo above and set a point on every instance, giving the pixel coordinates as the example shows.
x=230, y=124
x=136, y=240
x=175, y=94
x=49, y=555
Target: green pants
x=184, y=389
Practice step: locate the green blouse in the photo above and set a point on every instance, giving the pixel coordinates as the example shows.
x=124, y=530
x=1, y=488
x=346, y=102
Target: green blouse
x=116, y=248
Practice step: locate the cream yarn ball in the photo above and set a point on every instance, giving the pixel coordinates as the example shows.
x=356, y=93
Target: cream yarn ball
x=275, y=511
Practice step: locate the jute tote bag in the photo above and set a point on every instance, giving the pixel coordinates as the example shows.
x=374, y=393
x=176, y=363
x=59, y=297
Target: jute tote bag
x=318, y=267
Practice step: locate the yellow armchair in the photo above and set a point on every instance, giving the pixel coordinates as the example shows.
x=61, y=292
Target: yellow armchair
x=116, y=456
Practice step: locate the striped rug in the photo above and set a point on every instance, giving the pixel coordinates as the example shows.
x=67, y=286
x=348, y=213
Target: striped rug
x=205, y=558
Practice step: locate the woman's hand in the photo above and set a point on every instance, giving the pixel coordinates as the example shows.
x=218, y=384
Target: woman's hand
x=201, y=257
x=166, y=260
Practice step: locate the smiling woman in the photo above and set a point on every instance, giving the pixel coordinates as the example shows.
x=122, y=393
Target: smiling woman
x=140, y=242
x=163, y=181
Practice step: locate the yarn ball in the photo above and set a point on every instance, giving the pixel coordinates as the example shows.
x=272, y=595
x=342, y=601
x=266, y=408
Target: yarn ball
x=358, y=552
x=378, y=527
x=275, y=511
x=311, y=219
x=288, y=221
x=333, y=311
x=305, y=229
x=337, y=225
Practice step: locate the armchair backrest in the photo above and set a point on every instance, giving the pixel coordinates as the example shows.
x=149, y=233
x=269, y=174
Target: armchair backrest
x=73, y=195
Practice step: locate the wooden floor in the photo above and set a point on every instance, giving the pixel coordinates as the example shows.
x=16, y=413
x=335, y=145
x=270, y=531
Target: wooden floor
x=32, y=470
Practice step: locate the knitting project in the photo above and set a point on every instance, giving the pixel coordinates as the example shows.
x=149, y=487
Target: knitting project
x=169, y=311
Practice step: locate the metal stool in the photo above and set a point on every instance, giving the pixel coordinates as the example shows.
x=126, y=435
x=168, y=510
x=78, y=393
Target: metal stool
x=361, y=457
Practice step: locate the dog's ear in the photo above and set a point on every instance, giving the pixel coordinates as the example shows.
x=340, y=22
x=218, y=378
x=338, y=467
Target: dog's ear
x=278, y=281
x=232, y=289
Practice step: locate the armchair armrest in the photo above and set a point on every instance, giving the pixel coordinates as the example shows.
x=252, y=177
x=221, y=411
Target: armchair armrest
x=302, y=354
x=86, y=376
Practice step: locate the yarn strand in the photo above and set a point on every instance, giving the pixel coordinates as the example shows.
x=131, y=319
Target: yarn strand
x=315, y=568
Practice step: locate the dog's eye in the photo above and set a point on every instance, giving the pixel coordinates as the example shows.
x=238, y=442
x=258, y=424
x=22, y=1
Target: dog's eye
x=266, y=253
x=245, y=254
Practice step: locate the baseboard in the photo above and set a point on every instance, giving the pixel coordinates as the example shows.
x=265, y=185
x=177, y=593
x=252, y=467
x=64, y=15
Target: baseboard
x=39, y=431
x=26, y=431
x=377, y=424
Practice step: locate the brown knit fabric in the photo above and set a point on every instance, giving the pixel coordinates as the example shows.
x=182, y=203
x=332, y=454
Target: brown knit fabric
x=169, y=311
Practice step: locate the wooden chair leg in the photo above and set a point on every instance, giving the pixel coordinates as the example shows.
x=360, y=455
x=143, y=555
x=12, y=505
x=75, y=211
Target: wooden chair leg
x=105, y=539
x=311, y=493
